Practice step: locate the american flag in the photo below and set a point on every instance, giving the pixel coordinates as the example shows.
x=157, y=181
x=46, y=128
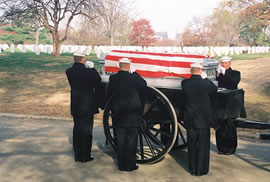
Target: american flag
x=154, y=64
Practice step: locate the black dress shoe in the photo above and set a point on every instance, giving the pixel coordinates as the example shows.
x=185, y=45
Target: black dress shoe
x=122, y=169
x=133, y=168
x=77, y=159
x=87, y=160
x=200, y=174
x=193, y=173
x=221, y=153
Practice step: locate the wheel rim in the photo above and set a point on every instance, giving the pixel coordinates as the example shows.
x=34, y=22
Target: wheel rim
x=157, y=136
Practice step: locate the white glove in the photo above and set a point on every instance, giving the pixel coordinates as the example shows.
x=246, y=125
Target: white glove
x=89, y=64
x=203, y=75
x=222, y=70
x=219, y=69
x=132, y=69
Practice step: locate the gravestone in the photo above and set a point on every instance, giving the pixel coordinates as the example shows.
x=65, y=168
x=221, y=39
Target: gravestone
x=12, y=48
x=37, y=50
x=23, y=49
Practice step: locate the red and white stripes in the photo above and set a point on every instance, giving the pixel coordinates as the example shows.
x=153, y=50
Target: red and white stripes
x=154, y=64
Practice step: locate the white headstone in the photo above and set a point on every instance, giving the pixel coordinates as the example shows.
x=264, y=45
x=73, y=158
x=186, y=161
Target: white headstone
x=19, y=46
x=23, y=49
x=98, y=52
x=49, y=50
x=37, y=50
x=231, y=50
x=12, y=48
x=88, y=50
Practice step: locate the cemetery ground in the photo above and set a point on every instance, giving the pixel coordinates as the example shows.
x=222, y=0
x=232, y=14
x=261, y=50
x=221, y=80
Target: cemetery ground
x=34, y=149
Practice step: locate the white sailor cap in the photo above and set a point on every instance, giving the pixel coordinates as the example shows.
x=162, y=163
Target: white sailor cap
x=196, y=65
x=125, y=60
x=225, y=59
x=79, y=54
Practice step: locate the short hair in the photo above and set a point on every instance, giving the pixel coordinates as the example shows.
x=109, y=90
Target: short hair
x=195, y=70
x=78, y=58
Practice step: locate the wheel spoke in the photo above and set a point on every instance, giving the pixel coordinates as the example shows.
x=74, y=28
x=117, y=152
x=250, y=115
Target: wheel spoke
x=154, y=139
x=154, y=122
x=141, y=144
x=182, y=136
x=149, y=143
x=161, y=132
x=153, y=105
x=111, y=127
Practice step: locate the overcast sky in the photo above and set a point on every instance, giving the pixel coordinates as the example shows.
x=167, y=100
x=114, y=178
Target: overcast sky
x=173, y=15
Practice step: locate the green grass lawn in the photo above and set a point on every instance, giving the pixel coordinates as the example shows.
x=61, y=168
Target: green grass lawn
x=250, y=56
x=23, y=67
x=29, y=62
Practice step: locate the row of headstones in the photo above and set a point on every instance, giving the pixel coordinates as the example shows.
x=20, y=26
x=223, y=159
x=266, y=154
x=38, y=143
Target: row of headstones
x=99, y=50
x=207, y=51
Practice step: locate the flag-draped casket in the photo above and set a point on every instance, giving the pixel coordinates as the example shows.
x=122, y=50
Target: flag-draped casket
x=154, y=65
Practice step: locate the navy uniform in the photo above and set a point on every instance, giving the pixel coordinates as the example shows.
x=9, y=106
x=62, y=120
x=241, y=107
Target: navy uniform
x=84, y=83
x=226, y=133
x=128, y=103
x=197, y=117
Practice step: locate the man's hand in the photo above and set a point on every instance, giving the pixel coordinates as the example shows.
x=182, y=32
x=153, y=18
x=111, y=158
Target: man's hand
x=89, y=64
x=132, y=69
x=221, y=70
x=203, y=75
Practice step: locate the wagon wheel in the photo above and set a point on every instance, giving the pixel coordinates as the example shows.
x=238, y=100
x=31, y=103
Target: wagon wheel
x=177, y=100
x=181, y=139
x=157, y=135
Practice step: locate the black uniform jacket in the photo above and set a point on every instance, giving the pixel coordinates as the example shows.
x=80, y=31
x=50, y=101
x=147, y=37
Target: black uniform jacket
x=84, y=83
x=128, y=97
x=230, y=80
x=198, y=111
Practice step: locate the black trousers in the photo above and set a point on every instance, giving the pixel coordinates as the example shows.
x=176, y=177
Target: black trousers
x=127, y=139
x=198, y=150
x=226, y=137
x=82, y=137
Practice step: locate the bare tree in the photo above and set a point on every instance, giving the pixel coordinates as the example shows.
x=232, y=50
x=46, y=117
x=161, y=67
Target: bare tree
x=197, y=32
x=114, y=15
x=53, y=14
x=225, y=26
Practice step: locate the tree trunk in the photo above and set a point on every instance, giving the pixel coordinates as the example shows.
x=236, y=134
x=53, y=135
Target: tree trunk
x=111, y=40
x=56, y=44
x=37, y=33
x=56, y=48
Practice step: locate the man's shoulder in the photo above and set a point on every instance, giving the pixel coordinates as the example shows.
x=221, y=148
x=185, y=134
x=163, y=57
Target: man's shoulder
x=184, y=82
x=68, y=70
x=236, y=71
x=91, y=70
x=112, y=77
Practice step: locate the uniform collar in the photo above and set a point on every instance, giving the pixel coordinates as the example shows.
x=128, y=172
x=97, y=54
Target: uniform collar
x=229, y=70
x=78, y=64
x=195, y=77
x=122, y=71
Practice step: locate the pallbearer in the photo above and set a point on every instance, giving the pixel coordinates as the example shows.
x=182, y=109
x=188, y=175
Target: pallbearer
x=197, y=118
x=127, y=88
x=226, y=133
x=84, y=81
